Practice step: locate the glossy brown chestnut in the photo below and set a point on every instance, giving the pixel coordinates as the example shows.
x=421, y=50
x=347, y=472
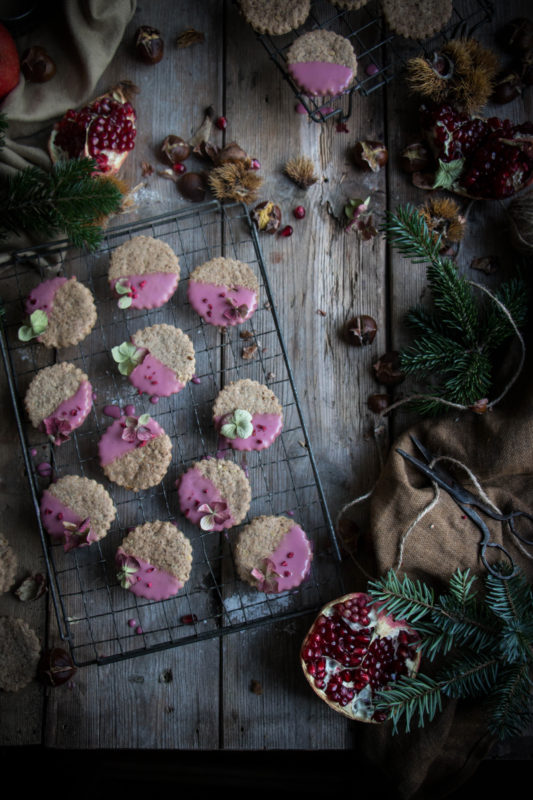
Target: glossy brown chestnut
x=36, y=65
x=360, y=330
x=149, y=45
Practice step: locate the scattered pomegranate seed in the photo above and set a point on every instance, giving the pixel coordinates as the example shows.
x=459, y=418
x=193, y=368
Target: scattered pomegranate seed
x=189, y=619
x=286, y=231
x=179, y=168
x=221, y=123
x=299, y=212
x=255, y=164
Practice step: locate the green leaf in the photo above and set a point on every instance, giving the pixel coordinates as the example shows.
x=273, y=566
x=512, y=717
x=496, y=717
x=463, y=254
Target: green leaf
x=127, y=357
x=124, y=302
x=239, y=425
x=38, y=324
x=25, y=333
x=448, y=173
x=122, y=288
x=144, y=419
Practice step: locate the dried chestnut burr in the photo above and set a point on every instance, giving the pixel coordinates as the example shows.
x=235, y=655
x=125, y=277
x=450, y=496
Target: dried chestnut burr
x=378, y=402
x=517, y=36
x=36, y=65
x=266, y=216
x=360, y=330
x=387, y=370
x=415, y=158
x=370, y=155
x=175, y=149
x=149, y=45
x=55, y=667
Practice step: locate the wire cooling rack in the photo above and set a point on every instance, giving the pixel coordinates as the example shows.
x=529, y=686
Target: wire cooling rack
x=380, y=53
x=100, y=620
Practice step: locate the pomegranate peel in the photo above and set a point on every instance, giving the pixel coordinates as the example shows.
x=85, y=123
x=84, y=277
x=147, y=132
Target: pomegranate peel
x=103, y=130
x=354, y=650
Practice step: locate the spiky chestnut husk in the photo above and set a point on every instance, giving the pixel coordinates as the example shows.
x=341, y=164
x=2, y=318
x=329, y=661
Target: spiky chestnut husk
x=301, y=171
x=443, y=218
x=235, y=182
x=354, y=650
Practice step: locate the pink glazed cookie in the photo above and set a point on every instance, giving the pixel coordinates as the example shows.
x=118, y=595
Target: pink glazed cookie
x=143, y=273
x=322, y=63
x=154, y=561
x=61, y=312
x=247, y=415
x=273, y=554
x=58, y=400
x=76, y=511
x=214, y=494
x=223, y=291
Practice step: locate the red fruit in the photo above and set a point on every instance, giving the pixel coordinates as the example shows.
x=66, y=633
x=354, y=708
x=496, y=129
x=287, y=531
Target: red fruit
x=493, y=157
x=353, y=650
x=255, y=164
x=221, y=123
x=179, y=168
x=299, y=212
x=286, y=231
x=104, y=130
x=9, y=62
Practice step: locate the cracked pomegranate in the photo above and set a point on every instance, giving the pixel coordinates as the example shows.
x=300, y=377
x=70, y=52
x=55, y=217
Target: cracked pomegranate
x=353, y=650
x=104, y=130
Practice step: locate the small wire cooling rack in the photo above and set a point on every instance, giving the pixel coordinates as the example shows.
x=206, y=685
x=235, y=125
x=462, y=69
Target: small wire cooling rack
x=380, y=53
x=101, y=621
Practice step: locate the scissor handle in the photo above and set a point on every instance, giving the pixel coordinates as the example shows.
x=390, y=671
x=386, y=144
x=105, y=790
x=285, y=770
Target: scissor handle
x=494, y=570
x=515, y=515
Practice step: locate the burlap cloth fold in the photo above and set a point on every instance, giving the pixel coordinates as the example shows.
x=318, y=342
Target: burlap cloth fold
x=497, y=447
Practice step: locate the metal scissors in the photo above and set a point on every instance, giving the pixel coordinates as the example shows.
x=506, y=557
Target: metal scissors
x=473, y=507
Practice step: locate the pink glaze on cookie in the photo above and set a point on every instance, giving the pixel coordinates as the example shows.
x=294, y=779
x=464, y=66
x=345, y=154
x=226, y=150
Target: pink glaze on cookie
x=195, y=491
x=266, y=428
x=145, y=580
x=222, y=305
x=289, y=564
x=42, y=297
x=154, y=377
x=54, y=514
x=321, y=78
x=112, y=446
x=69, y=414
x=151, y=290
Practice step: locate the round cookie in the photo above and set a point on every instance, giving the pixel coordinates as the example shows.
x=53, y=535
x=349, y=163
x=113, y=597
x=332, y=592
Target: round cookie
x=322, y=63
x=273, y=554
x=214, y=494
x=8, y=565
x=135, y=452
x=158, y=360
x=61, y=312
x=21, y=650
x=223, y=291
x=416, y=19
x=58, y=400
x=349, y=5
x=154, y=560
x=277, y=16
x=247, y=415
x=143, y=273
x=76, y=511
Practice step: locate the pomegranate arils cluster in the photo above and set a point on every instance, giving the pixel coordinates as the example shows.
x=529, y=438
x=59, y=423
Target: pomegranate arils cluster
x=353, y=651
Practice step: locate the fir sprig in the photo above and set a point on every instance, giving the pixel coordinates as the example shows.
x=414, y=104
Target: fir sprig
x=458, y=336
x=484, y=639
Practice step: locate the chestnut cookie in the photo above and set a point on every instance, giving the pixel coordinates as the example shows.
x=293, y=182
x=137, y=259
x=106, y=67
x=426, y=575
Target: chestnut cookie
x=143, y=273
x=247, y=415
x=21, y=649
x=273, y=554
x=58, y=400
x=223, y=291
x=277, y=16
x=416, y=19
x=61, y=312
x=8, y=565
x=322, y=63
x=214, y=494
x=154, y=561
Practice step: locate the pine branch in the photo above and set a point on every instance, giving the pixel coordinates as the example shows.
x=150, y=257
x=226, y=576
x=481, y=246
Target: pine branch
x=407, y=230
x=471, y=675
x=454, y=299
x=514, y=296
x=431, y=352
x=419, y=696
x=510, y=702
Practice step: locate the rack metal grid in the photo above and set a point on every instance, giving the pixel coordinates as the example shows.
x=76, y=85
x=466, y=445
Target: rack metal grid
x=94, y=613
x=380, y=53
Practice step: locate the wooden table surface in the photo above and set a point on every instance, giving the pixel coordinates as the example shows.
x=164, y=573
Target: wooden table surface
x=200, y=696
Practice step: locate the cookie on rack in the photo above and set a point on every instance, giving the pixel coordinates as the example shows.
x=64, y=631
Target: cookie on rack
x=322, y=63
x=76, y=511
x=349, y=5
x=159, y=360
x=135, y=452
x=143, y=273
x=247, y=415
x=214, y=494
x=21, y=650
x=61, y=312
x=416, y=19
x=223, y=291
x=275, y=17
x=273, y=554
x=8, y=565
x=58, y=400
x=154, y=560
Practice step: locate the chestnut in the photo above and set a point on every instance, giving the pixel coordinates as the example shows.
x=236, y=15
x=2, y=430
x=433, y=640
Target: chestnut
x=387, y=369
x=149, y=45
x=192, y=186
x=517, y=36
x=508, y=86
x=55, y=667
x=266, y=216
x=36, y=65
x=378, y=403
x=370, y=155
x=175, y=149
x=414, y=158
x=360, y=330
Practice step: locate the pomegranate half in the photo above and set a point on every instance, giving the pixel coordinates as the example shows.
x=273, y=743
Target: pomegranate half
x=353, y=650
x=103, y=130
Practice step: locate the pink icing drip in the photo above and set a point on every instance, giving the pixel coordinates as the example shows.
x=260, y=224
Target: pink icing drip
x=321, y=78
x=266, y=428
x=153, y=377
x=291, y=561
x=112, y=446
x=74, y=410
x=42, y=297
x=152, y=289
x=211, y=302
x=149, y=581
x=53, y=514
x=194, y=489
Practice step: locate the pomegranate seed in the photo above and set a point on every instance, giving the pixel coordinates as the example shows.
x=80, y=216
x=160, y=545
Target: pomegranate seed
x=179, y=167
x=255, y=164
x=299, y=212
x=221, y=123
x=189, y=619
x=286, y=231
